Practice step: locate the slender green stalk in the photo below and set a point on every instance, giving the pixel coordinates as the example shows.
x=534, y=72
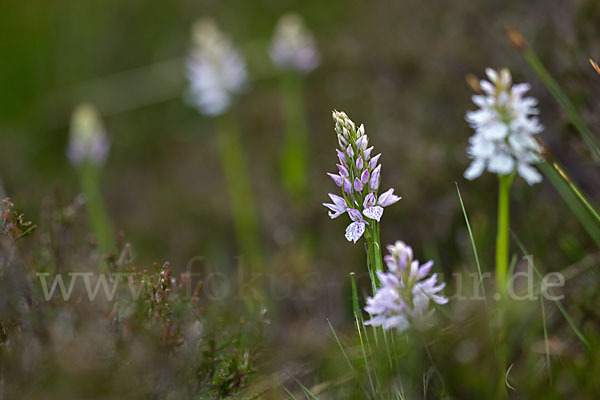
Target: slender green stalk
x=502, y=256
x=294, y=159
x=502, y=236
x=374, y=258
x=240, y=192
x=89, y=175
x=378, y=261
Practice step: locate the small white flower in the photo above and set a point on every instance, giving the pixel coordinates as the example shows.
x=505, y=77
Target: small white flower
x=505, y=127
x=293, y=46
x=215, y=68
x=88, y=141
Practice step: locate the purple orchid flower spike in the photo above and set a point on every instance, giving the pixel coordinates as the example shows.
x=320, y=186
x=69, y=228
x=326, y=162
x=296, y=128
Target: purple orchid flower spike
x=405, y=294
x=359, y=178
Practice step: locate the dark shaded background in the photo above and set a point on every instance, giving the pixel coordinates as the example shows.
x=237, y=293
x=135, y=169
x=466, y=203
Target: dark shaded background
x=396, y=66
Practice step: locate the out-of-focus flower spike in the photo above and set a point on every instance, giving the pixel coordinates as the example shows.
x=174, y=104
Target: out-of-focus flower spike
x=88, y=141
x=505, y=127
x=215, y=68
x=293, y=46
x=405, y=293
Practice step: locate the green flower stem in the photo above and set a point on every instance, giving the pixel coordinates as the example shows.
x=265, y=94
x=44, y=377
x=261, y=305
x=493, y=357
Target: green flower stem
x=502, y=255
x=377, y=249
x=503, y=232
x=240, y=192
x=89, y=175
x=294, y=158
x=374, y=253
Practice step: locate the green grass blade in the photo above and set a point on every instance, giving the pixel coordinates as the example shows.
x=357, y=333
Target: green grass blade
x=341, y=347
x=462, y=205
x=573, y=202
x=364, y=353
x=559, y=95
x=577, y=192
x=307, y=392
x=289, y=393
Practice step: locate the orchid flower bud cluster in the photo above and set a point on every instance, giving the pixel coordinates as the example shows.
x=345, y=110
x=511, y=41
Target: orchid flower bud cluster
x=406, y=291
x=215, y=68
x=88, y=141
x=358, y=178
x=505, y=127
x=293, y=46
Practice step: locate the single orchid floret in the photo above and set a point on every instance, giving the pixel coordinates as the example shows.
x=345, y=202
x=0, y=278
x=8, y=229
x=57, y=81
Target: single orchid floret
x=355, y=230
x=215, y=68
x=358, y=177
x=406, y=291
x=505, y=127
x=88, y=141
x=293, y=46
x=338, y=207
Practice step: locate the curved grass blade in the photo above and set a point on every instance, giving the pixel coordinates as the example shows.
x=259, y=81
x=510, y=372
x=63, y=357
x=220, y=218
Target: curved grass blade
x=573, y=202
x=554, y=88
x=462, y=205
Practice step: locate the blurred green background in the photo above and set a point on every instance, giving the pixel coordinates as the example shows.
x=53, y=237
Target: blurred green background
x=397, y=66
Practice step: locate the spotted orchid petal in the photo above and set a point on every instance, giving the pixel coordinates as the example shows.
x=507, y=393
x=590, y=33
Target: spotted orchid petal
x=374, y=212
x=355, y=230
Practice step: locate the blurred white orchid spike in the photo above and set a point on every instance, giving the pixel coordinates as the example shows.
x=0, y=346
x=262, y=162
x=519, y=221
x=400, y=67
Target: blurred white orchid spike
x=215, y=68
x=505, y=127
x=293, y=46
x=88, y=140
